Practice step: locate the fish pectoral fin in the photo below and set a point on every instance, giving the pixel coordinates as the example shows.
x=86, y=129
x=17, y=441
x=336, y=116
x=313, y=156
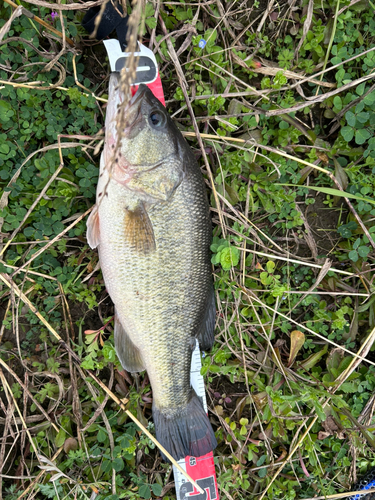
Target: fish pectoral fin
x=205, y=334
x=128, y=354
x=93, y=229
x=139, y=233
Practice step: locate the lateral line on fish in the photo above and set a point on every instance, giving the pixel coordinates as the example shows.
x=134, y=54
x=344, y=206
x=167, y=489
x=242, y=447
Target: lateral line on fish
x=11, y=285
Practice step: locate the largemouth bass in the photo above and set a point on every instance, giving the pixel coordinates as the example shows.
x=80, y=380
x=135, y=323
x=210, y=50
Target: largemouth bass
x=152, y=227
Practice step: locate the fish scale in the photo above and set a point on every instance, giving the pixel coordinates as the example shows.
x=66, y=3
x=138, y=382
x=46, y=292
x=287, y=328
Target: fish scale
x=153, y=231
x=176, y=311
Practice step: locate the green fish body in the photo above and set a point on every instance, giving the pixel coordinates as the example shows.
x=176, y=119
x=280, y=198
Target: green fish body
x=152, y=227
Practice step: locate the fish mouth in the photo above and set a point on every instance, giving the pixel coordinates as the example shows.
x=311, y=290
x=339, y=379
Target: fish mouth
x=133, y=115
x=142, y=89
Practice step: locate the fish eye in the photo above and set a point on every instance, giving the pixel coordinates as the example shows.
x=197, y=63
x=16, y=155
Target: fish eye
x=156, y=119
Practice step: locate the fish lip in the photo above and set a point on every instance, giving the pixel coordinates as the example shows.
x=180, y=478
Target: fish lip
x=137, y=97
x=133, y=109
x=142, y=89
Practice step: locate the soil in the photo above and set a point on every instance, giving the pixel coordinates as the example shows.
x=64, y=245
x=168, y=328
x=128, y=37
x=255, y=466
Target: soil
x=323, y=222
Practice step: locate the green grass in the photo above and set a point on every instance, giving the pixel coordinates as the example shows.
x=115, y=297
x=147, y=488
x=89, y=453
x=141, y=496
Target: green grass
x=288, y=141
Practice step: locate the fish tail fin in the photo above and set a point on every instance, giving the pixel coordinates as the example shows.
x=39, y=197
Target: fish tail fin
x=187, y=432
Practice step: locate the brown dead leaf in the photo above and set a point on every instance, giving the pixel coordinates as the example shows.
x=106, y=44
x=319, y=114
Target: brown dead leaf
x=297, y=339
x=70, y=444
x=329, y=425
x=322, y=435
x=341, y=175
x=323, y=157
x=260, y=400
x=331, y=429
x=219, y=410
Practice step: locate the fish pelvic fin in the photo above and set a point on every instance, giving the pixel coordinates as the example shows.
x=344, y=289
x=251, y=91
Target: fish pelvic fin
x=128, y=354
x=93, y=228
x=206, y=335
x=138, y=229
x=187, y=432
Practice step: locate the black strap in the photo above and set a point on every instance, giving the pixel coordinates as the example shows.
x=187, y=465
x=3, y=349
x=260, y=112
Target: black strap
x=111, y=19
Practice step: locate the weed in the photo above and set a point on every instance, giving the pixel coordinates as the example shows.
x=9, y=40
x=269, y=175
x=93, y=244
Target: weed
x=273, y=236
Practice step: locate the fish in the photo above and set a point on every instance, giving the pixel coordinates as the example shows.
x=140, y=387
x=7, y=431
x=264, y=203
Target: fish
x=152, y=227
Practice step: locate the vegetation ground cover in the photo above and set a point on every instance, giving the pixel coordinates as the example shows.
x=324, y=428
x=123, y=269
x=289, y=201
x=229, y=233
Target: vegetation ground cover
x=283, y=99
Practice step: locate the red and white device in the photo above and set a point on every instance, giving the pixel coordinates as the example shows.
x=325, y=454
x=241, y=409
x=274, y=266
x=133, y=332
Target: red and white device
x=147, y=69
x=201, y=469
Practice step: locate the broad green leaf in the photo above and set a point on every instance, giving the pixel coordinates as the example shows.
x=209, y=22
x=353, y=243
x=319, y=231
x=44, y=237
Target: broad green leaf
x=311, y=361
x=231, y=194
x=334, y=359
x=229, y=257
x=347, y=133
x=262, y=472
x=363, y=251
x=360, y=106
x=243, y=431
x=149, y=10
x=266, y=202
x=346, y=230
x=102, y=436
x=60, y=438
x=337, y=102
x=349, y=387
x=362, y=135
x=151, y=22
x=156, y=489
x=363, y=117
x=4, y=148
x=118, y=464
x=106, y=466
x=353, y=255
x=350, y=118
x=210, y=36
x=283, y=125
x=369, y=99
x=361, y=88
x=344, y=364
x=319, y=410
x=270, y=266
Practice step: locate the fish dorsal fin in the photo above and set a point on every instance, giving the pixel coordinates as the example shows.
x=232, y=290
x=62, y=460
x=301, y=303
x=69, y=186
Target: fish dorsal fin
x=128, y=354
x=205, y=334
x=93, y=229
x=139, y=233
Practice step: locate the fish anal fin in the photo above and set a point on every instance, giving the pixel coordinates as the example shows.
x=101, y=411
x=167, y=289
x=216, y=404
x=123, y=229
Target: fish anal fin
x=139, y=233
x=128, y=354
x=205, y=334
x=93, y=228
